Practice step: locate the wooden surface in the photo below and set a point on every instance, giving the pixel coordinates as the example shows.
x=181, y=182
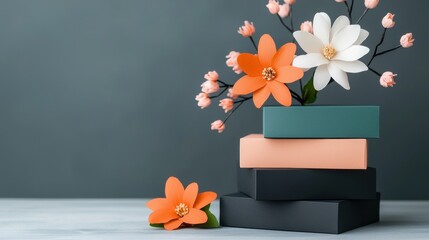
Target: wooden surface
x=126, y=219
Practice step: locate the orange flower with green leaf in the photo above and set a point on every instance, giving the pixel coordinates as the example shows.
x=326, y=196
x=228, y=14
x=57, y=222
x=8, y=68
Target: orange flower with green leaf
x=268, y=72
x=182, y=207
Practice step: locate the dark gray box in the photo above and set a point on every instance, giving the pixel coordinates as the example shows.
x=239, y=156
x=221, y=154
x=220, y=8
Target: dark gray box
x=307, y=184
x=323, y=216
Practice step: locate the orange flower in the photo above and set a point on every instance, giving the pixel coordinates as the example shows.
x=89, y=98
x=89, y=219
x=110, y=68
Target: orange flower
x=180, y=205
x=268, y=72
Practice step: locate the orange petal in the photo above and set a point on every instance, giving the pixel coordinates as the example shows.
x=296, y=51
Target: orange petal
x=190, y=194
x=195, y=216
x=266, y=50
x=246, y=85
x=249, y=63
x=204, y=198
x=289, y=74
x=174, y=190
x=157, y=203
x=173, y=224
x=284, y=55
x=260, y=96
x=162, y=215
x=281, y=93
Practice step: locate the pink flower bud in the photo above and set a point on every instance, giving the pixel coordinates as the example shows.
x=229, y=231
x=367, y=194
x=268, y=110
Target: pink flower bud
x=371, y=4
x=231, y=94
x=307, y=26
x=203, y=100
x=407, y=40
x=218, y=125
x=247, y=29
x=290, y=2
x=227, y=104
x=209, y=87
x=387, y=21
x=284, y=10
x=340, y=1
x=387, y=79
x=211, y=76
x=232, y=62
x=273, y=6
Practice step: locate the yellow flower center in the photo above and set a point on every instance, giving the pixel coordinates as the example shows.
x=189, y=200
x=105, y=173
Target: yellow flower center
x=181, y=209
x=329, y=52
x=268, y=73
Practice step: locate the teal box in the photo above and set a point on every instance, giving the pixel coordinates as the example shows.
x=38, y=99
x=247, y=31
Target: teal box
x=321, y=122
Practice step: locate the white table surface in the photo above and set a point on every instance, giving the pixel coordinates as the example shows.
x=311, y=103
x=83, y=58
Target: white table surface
x=126, y=219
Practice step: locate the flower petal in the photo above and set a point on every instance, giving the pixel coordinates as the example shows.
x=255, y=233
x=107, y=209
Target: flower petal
x=157, y=203
x=340, y=23
x=339, y=76
x=345, y=37
x=310, y=60
x=174, y=190
x=289, y=74
x=261, y=96
x=322, y=27
x=249, y=63
x=162, y=215
x=173, y=224
x=321, y=77
x=351, y=67
x=281, y=93
x=204, y=198
x=362, y=37
x=308, y=42
x=353, y=53
x=266, y=50
x=284, y=55
x=190, y=194
x=246, y=85
x=195, y=216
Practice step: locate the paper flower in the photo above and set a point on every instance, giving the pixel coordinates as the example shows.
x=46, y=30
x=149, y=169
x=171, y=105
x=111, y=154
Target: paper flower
x=388, y=79
x=387, y=21
x=268, y=72
x=203, y=100
x=333, y=50
x=227, y=104
x=218, y=126
x=407, y=40
x=181, y=206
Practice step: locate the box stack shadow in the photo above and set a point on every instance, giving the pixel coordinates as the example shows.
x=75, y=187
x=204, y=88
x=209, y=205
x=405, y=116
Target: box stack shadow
x=307, y=171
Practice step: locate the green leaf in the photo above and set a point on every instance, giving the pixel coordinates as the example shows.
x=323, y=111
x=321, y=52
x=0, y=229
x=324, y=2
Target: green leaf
x=157, y=225
x=310, y=94
x=212, y=221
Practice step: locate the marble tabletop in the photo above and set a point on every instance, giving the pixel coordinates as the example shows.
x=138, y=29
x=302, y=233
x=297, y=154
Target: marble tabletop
x=106, y=219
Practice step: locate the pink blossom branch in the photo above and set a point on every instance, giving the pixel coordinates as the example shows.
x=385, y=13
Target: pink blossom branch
x=390, y=50
x=378, y=45
x=215, y=96
x=284, y=24
x=363, y=15
x=253, y=42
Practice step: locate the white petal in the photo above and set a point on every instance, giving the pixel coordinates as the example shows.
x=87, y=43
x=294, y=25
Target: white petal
x=308, y=42
x=340, y=23
x=321, y=77
x=351, y=67
x=322, y=27
x=346, y=37
x=339, y=76
x=310, y=60
x=352, y=53
x=362, y=37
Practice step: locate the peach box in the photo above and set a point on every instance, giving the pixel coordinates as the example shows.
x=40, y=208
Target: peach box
x=259, y=152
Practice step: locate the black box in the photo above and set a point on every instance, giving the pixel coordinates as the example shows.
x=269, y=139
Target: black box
x=323, y=216
x=307, y=184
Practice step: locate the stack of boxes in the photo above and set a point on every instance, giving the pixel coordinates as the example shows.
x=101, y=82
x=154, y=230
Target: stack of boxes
x=307, y=172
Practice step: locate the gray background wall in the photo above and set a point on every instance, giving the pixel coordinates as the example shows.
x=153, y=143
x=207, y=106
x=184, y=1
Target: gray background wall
x=97, y=97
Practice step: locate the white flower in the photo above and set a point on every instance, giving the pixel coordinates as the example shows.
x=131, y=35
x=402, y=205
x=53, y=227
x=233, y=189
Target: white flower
x=333, y=50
